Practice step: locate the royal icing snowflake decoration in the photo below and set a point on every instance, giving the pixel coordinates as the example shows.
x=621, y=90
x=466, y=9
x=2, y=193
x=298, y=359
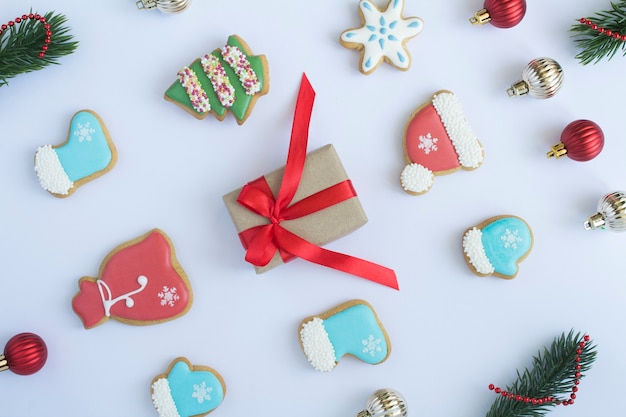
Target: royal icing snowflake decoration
x=497, y=245
x=140, y=282
x=382, y=36
x=187, y=390
x=438, y=140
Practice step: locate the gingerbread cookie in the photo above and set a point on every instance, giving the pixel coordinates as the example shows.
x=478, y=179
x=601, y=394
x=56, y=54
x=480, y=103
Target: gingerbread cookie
x=140, y=282
x=497, y=246
x=382, y=36
x=87, y=154
x=187, y=390
x=228, y=79
x=438, y=140
x=351, y=328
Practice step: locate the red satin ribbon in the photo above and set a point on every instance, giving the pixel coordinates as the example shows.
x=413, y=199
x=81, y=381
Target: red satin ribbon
x=262, y=242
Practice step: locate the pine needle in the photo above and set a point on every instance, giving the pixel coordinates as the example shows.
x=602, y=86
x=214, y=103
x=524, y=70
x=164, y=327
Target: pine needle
x=552, y=375
x=595, y=45
x=21, y=44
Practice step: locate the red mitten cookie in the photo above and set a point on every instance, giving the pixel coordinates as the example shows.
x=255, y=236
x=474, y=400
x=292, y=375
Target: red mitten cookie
x=140, y=282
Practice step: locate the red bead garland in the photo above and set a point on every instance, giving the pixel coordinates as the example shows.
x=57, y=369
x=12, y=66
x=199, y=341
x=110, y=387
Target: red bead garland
x=38, y=18
x=549, y=399
x=602, y=30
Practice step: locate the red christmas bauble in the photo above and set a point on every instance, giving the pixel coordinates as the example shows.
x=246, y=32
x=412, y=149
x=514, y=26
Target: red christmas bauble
x=25, y=353
x=505, y=13
x=583, y=140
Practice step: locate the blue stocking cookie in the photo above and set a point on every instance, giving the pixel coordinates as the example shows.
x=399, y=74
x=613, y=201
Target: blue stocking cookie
x=351, y=328
x=87, y=154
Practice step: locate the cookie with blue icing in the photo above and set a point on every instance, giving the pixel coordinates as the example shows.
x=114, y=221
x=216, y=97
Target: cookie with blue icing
x=497, y=246
x=187, y=390
x=351, y=328
x=87, y=154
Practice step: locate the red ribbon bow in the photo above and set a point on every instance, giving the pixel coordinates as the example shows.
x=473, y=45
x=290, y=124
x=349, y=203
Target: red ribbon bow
x=262, y=242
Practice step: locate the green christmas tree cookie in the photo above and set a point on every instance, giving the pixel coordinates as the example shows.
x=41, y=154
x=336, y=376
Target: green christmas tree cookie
x=226, y=79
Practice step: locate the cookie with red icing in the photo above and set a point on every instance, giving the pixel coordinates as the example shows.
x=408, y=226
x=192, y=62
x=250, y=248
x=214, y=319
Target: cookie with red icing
x=140, y=282
x=438, y=140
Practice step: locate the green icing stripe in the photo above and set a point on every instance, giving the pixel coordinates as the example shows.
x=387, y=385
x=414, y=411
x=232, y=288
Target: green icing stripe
x=176, y=91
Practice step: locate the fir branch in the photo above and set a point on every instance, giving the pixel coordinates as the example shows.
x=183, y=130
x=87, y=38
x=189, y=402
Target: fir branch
x=597, y=45
x=21, y=44
x=553, y=374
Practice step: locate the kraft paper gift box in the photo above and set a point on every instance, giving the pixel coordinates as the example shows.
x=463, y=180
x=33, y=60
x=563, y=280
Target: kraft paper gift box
x=322, y=169
x=294, y=210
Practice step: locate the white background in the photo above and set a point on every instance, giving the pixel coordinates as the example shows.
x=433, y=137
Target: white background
x=452, y=332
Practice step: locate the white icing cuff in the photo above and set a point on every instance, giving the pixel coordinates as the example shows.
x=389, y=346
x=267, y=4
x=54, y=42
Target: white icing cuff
x=416, y=178
x=465, y=142
x=52, y=176
x=162, y=399
x=473, y=248
x=316, y=345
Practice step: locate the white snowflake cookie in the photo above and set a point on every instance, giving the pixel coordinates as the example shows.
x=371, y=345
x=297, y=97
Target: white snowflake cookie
x=351, y=328
x=382, y=36
x=497, y=245
x=438, y=140
x=187, y=390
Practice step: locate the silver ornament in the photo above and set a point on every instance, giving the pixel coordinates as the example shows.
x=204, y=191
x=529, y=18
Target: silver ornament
x=541, y=78
x=385, y=403
x=166, y=6
x=611, y=213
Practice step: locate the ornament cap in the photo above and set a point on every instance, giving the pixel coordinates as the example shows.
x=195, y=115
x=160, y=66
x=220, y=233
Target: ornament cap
x=557, y=151
x=4, y=364
x=481, y=17
x=596, y=221
x=520, y=88
x=146, y=4
x=165, y=6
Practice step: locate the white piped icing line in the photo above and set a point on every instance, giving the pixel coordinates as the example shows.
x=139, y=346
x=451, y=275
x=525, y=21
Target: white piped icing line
x=162, y=399
x=107, y=298
x=317, y=346
x=219, y=80
x=50, y=172
x=475, y=251
x=465, y=142
x=189, y=80
x=416, y=178
x=240, y=64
